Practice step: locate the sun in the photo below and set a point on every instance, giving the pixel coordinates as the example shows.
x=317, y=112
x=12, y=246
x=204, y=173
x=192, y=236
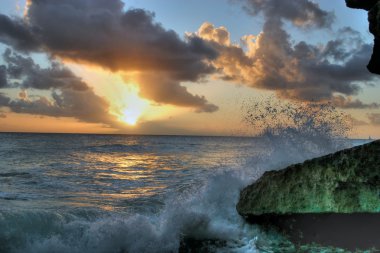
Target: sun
x=131, y=107
x=130, y=116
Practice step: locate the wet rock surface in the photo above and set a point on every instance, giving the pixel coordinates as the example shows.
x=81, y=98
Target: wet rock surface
x=333, y=200
x=344, y=182
x=357, y=231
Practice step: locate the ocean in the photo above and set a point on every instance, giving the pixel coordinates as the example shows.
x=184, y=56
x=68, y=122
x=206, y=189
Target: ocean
x=120, y=193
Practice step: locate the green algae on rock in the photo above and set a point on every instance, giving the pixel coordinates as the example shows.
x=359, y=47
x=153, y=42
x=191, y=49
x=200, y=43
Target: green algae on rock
x=345, y=182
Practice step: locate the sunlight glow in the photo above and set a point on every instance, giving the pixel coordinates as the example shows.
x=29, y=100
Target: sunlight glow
x=130, y=116
x=132, y=106
x=123, y=94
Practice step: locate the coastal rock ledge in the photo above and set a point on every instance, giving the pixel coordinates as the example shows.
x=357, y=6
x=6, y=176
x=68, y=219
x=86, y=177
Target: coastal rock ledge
x=345, y=182
x=331, y=201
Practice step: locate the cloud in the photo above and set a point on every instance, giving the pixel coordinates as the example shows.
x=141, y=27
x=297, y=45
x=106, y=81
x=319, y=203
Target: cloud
x=3, y=76
x=349, y=103
x=300, y=70
x=218, y=34
x=85, y=106
x=27, y=74
x=374, y=118
x=15, y=32
x=102, y=33
x=4, y=100
x=302, y=13
x=69, y=95
x=162, y=89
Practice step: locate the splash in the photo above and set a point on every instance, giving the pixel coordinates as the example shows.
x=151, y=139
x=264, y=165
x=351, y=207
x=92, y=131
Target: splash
x=296, y=131
x=204, y=219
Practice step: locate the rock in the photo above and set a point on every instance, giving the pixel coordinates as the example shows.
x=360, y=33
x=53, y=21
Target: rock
x=361, y=4
x=339, y=231
x=374, y=20
x=374, y=28
x=373, y=6
x=333, y=200
x=345, y=182
x=374, y=63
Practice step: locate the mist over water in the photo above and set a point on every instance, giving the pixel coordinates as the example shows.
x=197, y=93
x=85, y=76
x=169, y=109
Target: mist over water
x=97, y=193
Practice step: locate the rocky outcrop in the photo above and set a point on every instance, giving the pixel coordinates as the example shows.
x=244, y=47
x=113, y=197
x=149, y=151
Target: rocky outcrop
x=361, y=4
x=345, y=182
x=373, y=8
x=331, y=201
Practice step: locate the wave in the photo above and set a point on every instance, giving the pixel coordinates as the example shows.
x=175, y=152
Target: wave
x=201, y=218
x=205, y=215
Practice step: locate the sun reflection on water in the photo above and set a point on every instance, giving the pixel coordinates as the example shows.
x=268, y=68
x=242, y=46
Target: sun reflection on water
x=132, y=171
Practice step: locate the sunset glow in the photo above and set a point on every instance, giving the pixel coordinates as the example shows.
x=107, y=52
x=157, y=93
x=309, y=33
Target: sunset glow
x=130, y=116
x=138, y=125
x=131, y=107
x=156, y=74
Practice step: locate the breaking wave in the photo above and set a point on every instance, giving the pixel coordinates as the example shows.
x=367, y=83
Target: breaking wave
x=200, y=218
x=207, y=214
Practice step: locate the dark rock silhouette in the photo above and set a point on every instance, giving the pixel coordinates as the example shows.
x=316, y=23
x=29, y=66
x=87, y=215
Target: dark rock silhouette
x=361, y=4
x=373, y=8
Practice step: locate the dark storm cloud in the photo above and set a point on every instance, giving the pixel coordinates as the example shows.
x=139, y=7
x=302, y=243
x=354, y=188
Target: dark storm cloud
x=102, y=33
x=302, y=13
x=374, y=118
x=15, y=32
x=28, y=74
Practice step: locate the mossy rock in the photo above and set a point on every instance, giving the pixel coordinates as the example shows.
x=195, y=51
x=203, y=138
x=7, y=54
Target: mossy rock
x=345, y=182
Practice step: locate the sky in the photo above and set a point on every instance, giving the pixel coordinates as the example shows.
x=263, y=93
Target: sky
x=179, y=67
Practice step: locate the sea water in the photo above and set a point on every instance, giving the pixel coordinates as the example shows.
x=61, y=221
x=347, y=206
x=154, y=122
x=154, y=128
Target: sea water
x=120, y=193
